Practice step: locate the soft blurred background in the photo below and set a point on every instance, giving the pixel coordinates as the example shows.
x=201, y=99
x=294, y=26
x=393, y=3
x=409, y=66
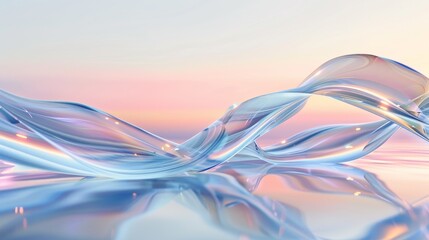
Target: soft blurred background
x=173, y=67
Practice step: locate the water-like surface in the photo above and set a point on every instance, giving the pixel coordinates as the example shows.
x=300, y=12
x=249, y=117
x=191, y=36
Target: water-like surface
x=70, y=171
x=374, y=198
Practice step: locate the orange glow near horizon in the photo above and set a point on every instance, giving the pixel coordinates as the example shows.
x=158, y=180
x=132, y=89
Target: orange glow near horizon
x=142, y=76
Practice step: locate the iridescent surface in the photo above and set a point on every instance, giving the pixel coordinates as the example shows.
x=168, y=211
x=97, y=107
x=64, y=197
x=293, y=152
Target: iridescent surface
x=375, y=198
x=95, y=176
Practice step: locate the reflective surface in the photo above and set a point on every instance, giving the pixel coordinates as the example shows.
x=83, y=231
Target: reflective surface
x=375, y=198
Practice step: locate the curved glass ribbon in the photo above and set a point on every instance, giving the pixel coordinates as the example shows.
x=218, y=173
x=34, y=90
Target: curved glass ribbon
x=76, y=139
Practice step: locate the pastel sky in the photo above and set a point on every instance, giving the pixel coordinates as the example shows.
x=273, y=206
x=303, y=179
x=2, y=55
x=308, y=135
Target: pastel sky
x=173, y=67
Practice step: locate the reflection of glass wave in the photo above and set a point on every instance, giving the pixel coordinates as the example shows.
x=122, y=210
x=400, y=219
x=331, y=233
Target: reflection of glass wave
x=410, y=222
x=111, y=203
x=77, y=139
x=222, y=198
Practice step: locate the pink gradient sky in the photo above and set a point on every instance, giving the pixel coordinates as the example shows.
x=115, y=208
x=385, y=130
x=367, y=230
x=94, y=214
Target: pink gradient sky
x=176, y=66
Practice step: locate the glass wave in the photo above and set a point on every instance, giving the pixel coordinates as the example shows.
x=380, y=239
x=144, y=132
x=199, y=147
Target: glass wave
x=76, y=139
